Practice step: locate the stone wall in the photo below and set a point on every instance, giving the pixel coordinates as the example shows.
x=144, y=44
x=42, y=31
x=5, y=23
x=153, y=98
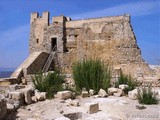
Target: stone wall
x=109, y=38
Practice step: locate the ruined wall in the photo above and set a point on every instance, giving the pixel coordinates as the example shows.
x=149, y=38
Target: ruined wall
x=110, y=39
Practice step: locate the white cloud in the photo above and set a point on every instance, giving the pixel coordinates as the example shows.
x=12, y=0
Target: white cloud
x=134, y=9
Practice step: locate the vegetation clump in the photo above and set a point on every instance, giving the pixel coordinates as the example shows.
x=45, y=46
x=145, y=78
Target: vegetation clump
x=147, y=96
x=126, y=79
x=50, y=82
x=91, y=74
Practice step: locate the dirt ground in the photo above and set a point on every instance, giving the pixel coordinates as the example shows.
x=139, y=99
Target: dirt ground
x=110, y=108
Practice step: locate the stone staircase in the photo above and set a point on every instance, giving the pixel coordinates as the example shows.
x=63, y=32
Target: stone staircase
x=31, y=58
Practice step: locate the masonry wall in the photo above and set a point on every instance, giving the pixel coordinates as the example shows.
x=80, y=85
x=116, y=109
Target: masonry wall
x=109, y=38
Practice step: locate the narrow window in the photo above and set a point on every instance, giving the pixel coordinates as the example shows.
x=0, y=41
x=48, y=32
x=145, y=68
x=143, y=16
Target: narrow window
x=37, y=40
x=54, y=44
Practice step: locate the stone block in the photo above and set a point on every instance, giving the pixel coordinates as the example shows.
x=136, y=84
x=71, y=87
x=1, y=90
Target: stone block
x=123, y=86
x=111, y=91
x=73, y=116
x=84, y=94
x=133, y=94
x=17, y=95
x=10, y=107
x=63, y=95
x=41, y=96
x=91, y=92
x=27, y=95
x=102, y=93
x=92, y=107
x=34, y=99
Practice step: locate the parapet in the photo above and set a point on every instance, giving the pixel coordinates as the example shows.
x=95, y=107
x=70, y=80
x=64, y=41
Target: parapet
x=45, y=17
x=58, y=19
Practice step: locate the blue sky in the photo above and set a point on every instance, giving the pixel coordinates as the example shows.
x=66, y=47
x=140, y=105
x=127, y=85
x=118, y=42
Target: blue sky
x=15, y=18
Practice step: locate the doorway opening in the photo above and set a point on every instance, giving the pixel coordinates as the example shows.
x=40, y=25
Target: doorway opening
x=53, y=44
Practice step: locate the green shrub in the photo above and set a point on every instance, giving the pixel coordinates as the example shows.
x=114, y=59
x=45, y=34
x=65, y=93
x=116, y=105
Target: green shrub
x=126, y=79
x=50, y=83
x=147, y=96
x=91, y=74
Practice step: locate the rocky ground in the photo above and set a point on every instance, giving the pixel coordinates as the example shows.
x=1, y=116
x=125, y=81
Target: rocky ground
x=110, y=108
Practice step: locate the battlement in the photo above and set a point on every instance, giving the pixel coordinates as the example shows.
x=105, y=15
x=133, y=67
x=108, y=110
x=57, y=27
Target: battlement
x=44, y=18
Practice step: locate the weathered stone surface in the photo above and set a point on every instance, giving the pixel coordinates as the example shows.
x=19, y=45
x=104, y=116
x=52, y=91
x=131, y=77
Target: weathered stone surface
x=34, y=99
x=16, y=95
x=119, y=93
x=84, y=94
x=102, y=93
x=123, y=86
x=3, y=107
x=63, y=95
x=133, y=94
x=72, y=102
x=41, y=96
x=62, y=118
x=112, y=90
x=27, y=95
x=92, y=107
x=73, y=115
x=10, y=107
x=91, y=92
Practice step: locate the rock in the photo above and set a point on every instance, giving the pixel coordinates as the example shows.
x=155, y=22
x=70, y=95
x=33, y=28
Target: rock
x=84, y=94
x=102, y=93
x=73, y=116
x=10, y=107
x=62, y=118
x=63, y=95
x=92, y=107
x=73, y=102
x=41, y=96
x=91, y=92
x=16, y=95
x=112, y=90
x=123, y=86
x=34, y=99
x=3, y=107
x=119, y=93
x=13, y=87
x=24, y=81
x=133, y=94
x=27, y=95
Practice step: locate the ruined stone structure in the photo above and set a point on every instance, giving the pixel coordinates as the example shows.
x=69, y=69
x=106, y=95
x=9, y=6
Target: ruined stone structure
x=64, y=40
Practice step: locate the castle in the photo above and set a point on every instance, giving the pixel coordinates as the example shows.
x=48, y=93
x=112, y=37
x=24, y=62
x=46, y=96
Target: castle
x=64, y=41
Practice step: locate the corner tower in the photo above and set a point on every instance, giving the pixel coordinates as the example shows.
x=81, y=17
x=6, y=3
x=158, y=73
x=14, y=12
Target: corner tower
x=37, y=28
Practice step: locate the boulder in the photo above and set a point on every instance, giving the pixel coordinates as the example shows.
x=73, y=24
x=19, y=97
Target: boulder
x=102, y=93
x=41, y=96
x=72, y=102
x=92, y=107
x=10, y=107
x=27, y=95
x=111, y=91
x=3, y=107
x=84, y=94
x=91, y=92
x=123, y=86
x=119, y=93
x=63, y=95
x=34, y=99
x=73, y=115
x=17, y=95
x=13, y=87
x=133, y=94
